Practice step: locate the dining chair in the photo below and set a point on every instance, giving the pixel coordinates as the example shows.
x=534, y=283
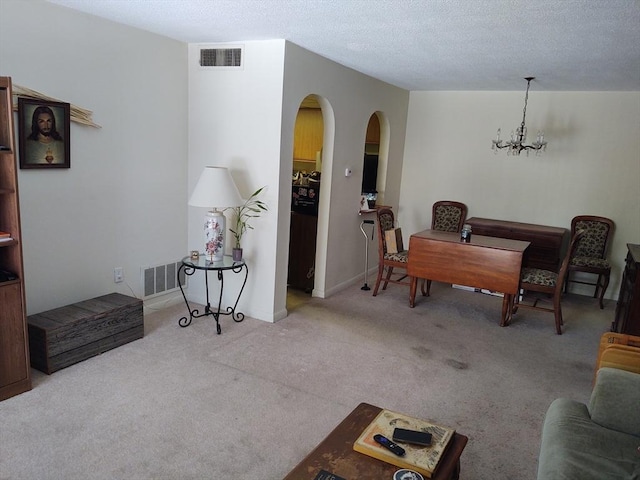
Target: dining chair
x=389, y=261
x=546, y=282
x=446, y=216
x=590, y=254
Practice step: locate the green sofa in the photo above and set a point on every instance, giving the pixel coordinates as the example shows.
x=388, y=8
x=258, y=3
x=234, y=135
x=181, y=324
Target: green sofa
x=600, y=441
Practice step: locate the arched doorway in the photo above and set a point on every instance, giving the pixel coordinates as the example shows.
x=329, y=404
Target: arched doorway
x=305, y=200
x=374, y=173
x=371, y=159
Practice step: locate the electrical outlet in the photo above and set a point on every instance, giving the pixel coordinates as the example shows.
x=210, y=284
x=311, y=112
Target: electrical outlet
x=118, y=275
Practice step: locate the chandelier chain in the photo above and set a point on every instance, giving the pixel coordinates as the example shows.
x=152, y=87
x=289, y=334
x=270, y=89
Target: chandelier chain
x=526, y=100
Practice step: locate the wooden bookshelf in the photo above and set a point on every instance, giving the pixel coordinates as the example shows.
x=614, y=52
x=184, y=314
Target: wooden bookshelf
x=15, y=372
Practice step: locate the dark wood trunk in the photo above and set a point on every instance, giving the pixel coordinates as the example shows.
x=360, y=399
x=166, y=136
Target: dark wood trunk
x=67, y=335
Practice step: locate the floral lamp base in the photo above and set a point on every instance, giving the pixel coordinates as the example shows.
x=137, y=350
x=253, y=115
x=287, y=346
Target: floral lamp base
x=214, y=226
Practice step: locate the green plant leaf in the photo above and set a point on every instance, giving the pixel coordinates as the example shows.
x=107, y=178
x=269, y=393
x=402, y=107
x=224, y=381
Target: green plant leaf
x=252, y=208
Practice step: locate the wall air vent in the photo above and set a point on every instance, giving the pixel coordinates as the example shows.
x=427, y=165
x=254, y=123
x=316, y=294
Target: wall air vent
x=227, y=57
x=162, y=279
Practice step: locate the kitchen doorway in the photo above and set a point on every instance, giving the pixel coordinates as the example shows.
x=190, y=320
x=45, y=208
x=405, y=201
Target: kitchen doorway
x=371, y=160
x=305, y=197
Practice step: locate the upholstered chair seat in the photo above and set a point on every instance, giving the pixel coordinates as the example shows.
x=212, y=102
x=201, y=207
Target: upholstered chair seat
x=401, y=257
x=590, y=262
x=537, y=276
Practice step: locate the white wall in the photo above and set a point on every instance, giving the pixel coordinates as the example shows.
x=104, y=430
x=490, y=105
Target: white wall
x=234, y=122
x=351, y=98
x=123, y=202
x=591, y=166
x=244, y=119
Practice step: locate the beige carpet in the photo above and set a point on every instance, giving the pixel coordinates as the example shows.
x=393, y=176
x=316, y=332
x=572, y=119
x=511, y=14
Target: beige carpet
x=185, y=403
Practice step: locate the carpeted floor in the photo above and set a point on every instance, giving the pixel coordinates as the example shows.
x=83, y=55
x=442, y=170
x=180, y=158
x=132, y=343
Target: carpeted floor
x=185, y=403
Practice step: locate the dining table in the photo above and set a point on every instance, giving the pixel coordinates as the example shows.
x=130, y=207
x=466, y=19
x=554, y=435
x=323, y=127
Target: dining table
x=480, y=261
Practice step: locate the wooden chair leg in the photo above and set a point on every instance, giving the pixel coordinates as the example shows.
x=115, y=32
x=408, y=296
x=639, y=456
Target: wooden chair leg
x=412, y=291
x=603, y=288
x=597, y=291
x=426, y=287
x=378, y=279
x=507, y=307
x=559, y=322
x=557, y=311
x=516, y=301
x=386, y=279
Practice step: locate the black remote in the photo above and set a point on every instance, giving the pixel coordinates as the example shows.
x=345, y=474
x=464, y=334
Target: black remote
x=388, y=444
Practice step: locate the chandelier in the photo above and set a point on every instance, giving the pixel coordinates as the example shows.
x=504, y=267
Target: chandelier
x=516, y=143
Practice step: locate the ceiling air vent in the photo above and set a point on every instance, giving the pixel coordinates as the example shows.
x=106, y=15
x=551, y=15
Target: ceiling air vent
x=229, y=57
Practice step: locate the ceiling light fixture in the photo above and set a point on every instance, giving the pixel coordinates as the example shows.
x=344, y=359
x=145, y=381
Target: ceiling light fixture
x=516, y=143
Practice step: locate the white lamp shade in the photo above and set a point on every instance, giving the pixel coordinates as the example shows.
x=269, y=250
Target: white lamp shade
x=215, y=188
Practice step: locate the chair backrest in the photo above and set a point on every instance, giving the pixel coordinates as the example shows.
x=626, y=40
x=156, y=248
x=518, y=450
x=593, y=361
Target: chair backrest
x=623, y=352
x=597, y=233
x=575, y=241
x=448, y=216
x=386, y=221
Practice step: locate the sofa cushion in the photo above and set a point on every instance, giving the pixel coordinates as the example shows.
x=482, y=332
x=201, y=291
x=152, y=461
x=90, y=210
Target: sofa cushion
x=575, y=448
x=615, y=401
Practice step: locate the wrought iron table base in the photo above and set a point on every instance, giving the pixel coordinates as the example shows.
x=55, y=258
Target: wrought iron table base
x=190, y=266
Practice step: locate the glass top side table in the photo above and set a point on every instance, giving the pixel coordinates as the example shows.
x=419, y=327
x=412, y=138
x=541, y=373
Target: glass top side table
x=191, y=265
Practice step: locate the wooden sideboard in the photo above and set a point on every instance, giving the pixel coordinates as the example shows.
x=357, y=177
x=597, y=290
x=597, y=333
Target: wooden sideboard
x=627, y=319
x=547, y=243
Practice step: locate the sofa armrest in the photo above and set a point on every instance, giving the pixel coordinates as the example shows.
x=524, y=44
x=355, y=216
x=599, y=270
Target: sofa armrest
x=615, y=399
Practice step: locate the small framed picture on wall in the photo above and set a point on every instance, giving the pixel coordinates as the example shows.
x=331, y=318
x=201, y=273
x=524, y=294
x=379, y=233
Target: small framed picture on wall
x=44, y=128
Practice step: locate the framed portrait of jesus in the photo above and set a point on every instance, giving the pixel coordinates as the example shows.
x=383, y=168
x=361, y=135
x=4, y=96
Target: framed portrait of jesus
x=43, y=129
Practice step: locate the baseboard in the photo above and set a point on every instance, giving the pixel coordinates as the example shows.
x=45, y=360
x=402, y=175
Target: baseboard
x=161, y=302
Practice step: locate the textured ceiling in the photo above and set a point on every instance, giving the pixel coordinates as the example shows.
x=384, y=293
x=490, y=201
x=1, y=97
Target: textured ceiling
x=582, y=45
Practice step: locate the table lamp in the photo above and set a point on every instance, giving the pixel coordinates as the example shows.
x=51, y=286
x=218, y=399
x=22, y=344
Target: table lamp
x=216, y=190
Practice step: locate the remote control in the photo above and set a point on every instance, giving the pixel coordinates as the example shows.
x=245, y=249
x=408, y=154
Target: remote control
x=403, y=435
x=389, y=445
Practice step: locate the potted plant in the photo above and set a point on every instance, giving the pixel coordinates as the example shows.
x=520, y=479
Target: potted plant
x=252, y=208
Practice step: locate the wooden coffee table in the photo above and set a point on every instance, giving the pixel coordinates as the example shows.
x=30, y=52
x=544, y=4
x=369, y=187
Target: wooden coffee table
x=335, y=454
